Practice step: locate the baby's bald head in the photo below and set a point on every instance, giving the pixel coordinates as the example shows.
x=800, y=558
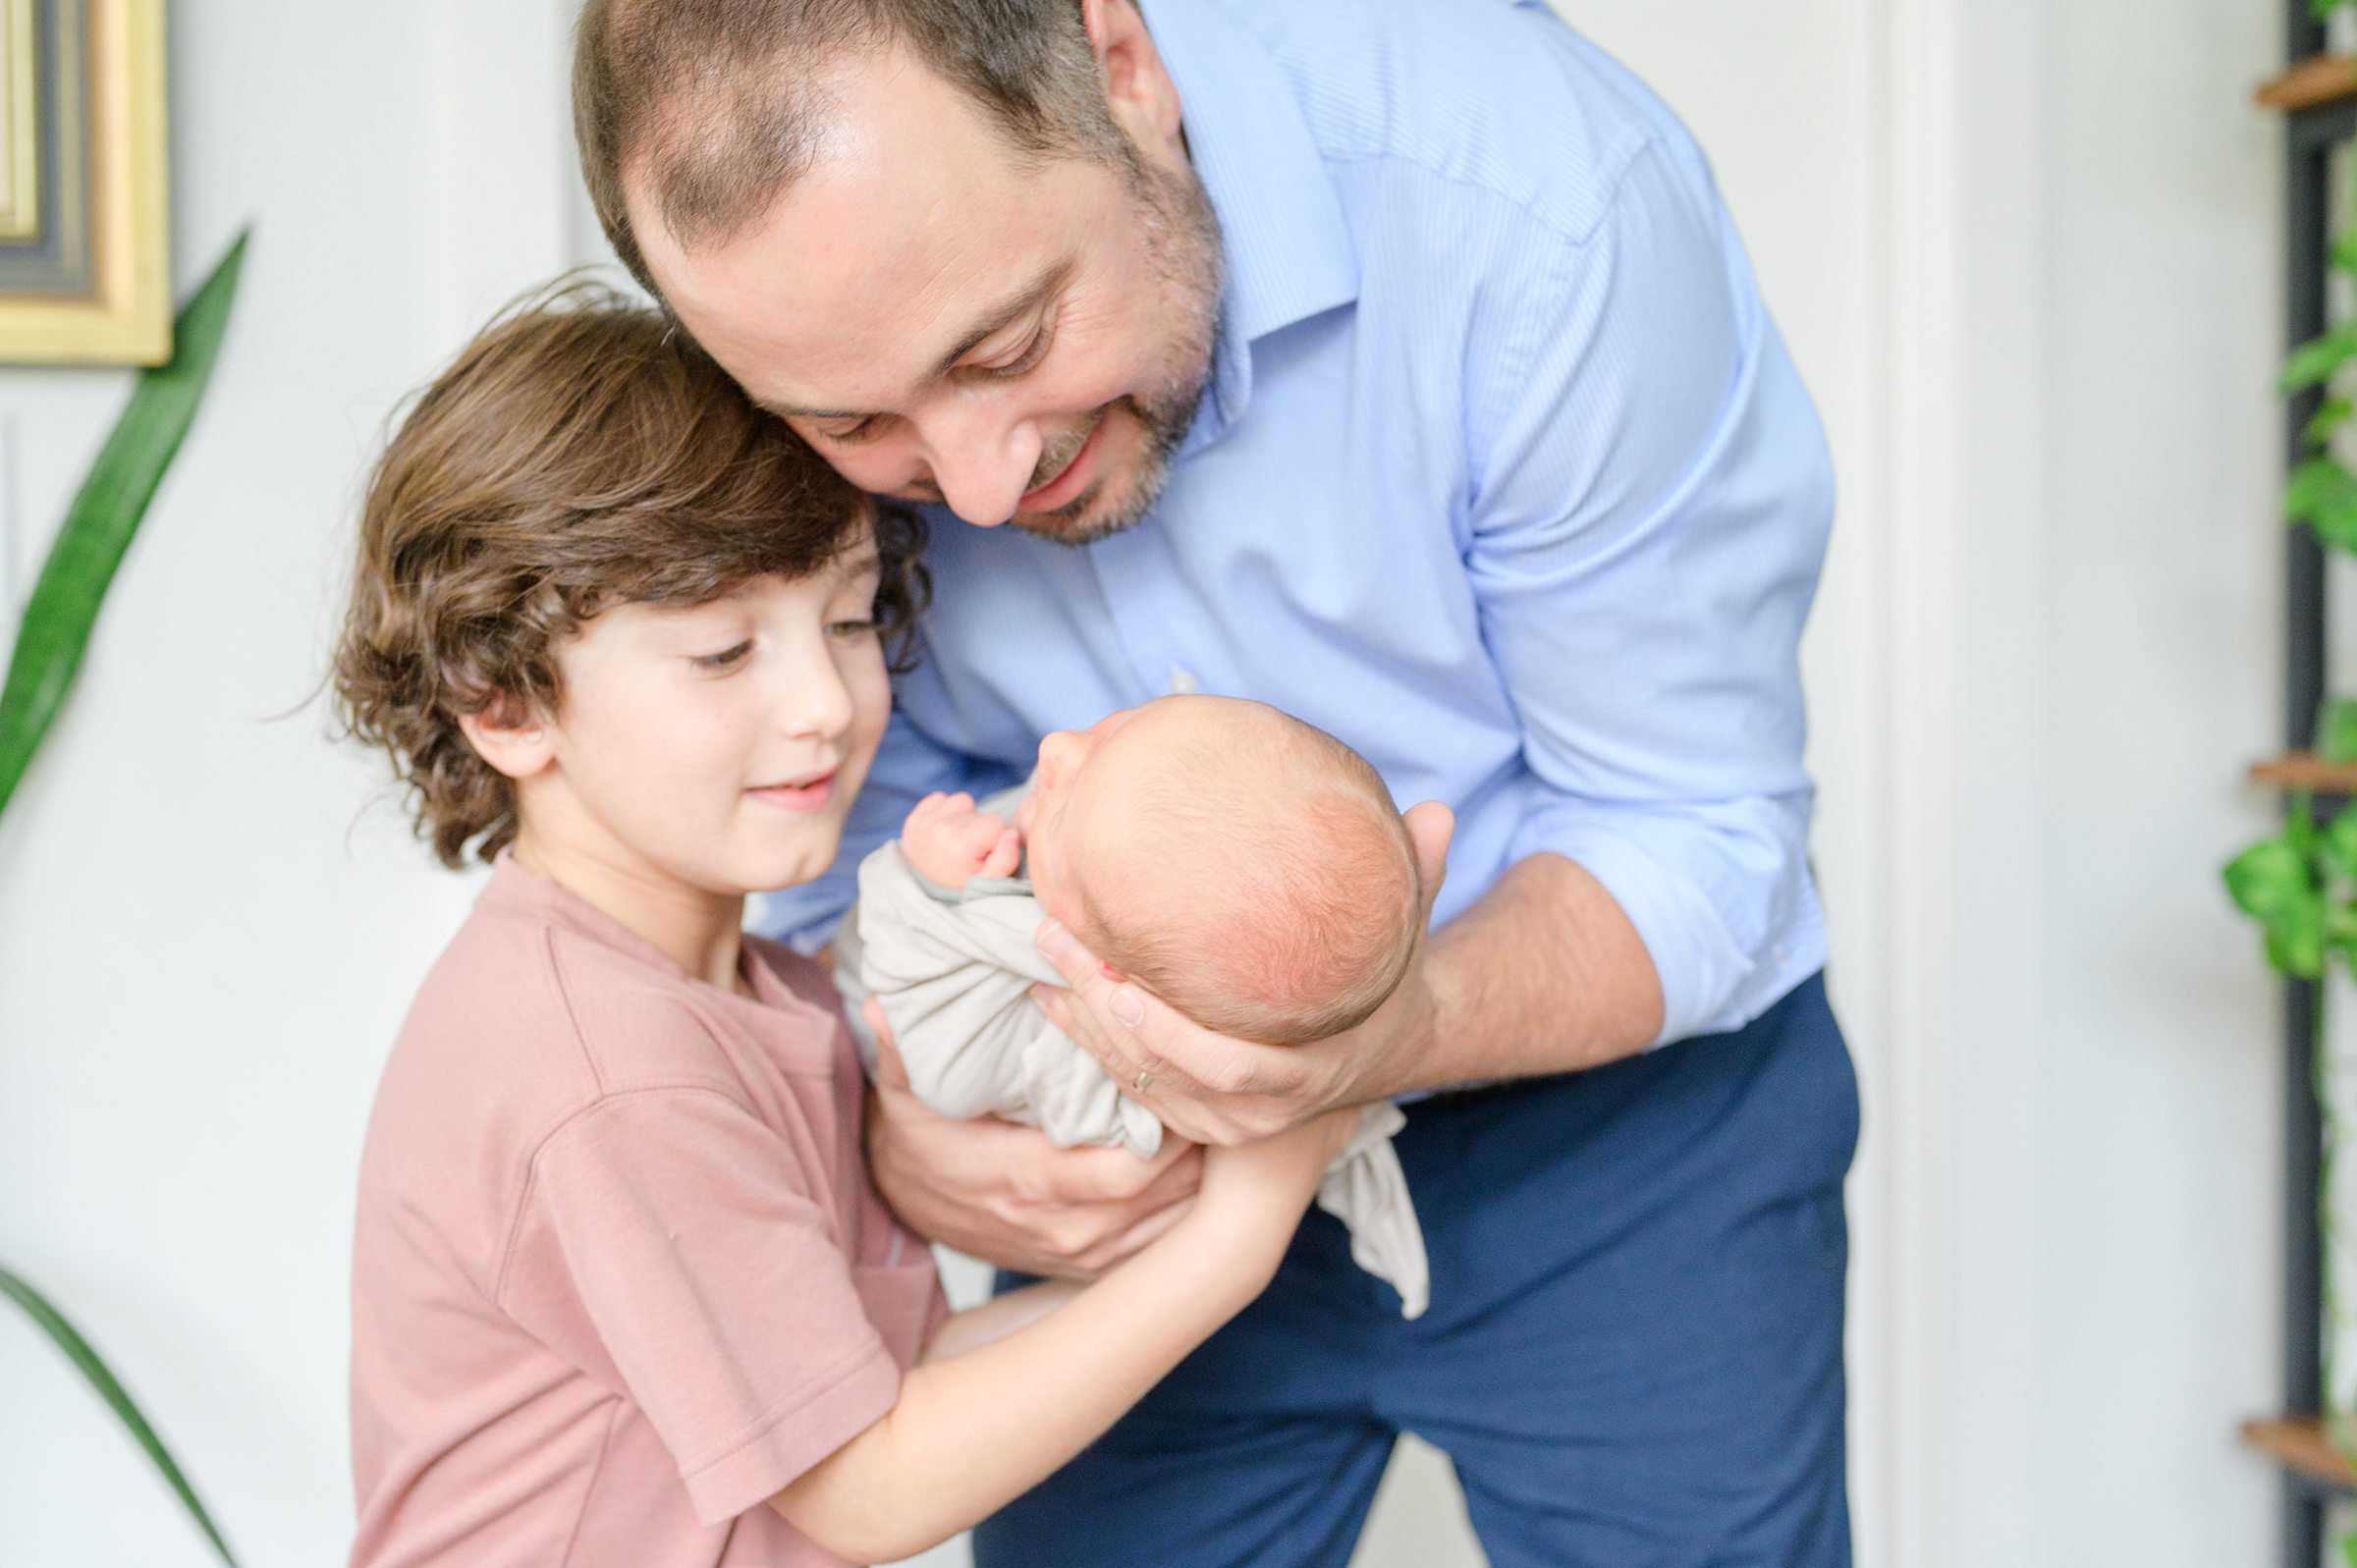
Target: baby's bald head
x=1247, y=868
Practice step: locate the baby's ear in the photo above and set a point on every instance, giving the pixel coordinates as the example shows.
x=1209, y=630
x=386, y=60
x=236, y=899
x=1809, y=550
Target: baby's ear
x=510, y=738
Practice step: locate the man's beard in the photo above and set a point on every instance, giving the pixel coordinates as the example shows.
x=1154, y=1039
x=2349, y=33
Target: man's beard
x=1183, y=245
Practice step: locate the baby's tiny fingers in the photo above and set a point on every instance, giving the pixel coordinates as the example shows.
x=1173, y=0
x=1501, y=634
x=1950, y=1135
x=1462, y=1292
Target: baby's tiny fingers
x=1005, y=855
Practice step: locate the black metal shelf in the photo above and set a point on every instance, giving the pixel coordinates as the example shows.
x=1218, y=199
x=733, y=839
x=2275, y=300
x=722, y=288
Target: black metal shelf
x=2322, y=128
x=2318, y=100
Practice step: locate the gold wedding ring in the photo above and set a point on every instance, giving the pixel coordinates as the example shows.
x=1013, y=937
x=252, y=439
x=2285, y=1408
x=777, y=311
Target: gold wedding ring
x=1145, y=1081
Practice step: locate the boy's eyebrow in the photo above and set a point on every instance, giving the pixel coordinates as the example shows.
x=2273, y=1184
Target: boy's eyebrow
x=853, y=563
x=995, y=319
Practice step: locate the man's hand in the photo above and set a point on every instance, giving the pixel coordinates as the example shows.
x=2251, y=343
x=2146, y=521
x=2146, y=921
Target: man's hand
x=1212, y=1089
x=1005, y=1194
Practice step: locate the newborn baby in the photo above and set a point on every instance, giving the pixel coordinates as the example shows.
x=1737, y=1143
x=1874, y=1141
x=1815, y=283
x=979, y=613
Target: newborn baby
x=1248, y=869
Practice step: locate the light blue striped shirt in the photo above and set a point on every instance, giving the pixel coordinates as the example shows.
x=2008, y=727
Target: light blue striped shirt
x=1503, y=476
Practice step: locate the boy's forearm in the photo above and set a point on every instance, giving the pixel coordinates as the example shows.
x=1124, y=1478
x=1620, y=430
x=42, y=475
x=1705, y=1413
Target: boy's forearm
x=984, y=1426
x=998, y=1318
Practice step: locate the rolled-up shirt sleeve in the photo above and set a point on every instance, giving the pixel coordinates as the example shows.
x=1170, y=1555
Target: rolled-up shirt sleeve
x=1650, y=504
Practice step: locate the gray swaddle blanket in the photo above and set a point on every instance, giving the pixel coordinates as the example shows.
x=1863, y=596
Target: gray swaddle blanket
x=954, y=968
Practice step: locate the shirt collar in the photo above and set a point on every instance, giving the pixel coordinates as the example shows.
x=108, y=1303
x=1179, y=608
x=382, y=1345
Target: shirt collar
x=1289, y=251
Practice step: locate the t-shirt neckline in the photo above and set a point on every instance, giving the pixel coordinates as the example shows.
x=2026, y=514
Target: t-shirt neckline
x=516, y=886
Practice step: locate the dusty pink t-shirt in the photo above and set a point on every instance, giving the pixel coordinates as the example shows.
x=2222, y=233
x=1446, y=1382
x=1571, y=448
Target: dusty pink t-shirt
x=619, y=1273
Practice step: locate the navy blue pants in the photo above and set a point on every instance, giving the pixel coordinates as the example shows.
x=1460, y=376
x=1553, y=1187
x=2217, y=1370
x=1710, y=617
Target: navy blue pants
x=1633, y=1353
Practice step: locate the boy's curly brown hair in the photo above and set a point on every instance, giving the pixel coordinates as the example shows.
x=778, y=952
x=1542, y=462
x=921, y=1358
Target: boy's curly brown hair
x=579, y=453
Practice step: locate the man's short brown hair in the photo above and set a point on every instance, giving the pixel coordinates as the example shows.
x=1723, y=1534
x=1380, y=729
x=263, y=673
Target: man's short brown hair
x=718, y=105
x=579, y=453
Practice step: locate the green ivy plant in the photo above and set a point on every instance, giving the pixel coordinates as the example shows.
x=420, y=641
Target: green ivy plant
x=2300, y=884
x=50, y=640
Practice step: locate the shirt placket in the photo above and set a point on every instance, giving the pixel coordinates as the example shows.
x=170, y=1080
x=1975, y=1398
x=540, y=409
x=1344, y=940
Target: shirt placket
x=1138, y=576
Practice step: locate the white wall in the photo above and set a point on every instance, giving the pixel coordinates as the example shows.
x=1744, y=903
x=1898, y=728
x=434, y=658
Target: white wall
x=2153, y=1242
x=205, y=944
x=2025, y=254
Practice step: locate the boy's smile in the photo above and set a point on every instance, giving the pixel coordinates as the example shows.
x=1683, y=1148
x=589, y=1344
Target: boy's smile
x=809, y=794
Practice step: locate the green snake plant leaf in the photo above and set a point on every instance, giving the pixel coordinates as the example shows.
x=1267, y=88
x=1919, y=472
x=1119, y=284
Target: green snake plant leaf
x=56, y=630
x=102, y=520
x=110, y=1388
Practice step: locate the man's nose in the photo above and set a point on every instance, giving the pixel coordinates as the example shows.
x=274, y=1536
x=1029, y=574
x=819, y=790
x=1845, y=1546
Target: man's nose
x=983, y=461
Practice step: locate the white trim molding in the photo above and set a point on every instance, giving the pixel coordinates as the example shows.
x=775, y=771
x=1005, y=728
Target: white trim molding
x=1943, y=1469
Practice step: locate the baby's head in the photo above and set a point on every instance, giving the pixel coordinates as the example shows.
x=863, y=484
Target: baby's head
x=583, y=478
x=1247, y=868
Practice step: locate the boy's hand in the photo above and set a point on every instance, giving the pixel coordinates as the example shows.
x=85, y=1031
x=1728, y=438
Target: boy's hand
x=1252, y=1195
x=1276, y=1175
x=950, y=843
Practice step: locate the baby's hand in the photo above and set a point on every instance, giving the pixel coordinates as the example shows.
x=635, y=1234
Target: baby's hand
x=951, y=844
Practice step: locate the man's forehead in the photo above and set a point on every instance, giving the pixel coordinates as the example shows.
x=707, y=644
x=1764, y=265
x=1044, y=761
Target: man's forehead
x=909, y=228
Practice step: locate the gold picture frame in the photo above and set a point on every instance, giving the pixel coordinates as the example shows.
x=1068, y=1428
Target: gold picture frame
x=85, y=222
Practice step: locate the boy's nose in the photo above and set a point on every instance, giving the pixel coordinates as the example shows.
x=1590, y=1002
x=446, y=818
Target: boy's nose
x=816, y=703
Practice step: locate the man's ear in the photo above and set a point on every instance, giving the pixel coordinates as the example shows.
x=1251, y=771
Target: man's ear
x=1430, y=826
x=1141, y=94
x=512, y=738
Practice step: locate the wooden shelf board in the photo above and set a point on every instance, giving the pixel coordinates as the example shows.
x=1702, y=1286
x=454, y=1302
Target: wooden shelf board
x=2304, y=770
x=2314, y=83
x=2301, y=1445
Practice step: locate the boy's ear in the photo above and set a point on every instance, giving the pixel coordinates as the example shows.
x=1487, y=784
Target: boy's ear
x=512, y=738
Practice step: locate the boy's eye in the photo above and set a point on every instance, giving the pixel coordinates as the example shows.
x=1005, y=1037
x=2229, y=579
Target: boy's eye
x=859, y=430
x=848, y=630
x=723, y=658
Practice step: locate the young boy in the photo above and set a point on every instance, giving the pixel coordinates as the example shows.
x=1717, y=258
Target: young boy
x=623, y=1292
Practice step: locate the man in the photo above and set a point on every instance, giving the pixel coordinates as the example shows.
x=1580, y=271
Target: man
x=1395, y=363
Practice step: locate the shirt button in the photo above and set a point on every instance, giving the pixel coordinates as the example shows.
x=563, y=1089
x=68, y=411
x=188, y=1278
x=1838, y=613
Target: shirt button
x=1183, y=681
x=1781, y=956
